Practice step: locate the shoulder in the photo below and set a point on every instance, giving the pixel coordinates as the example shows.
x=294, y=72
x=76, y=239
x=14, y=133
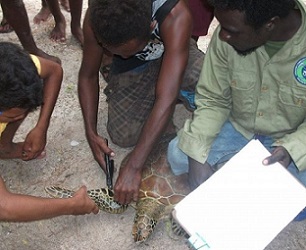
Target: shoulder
x=178, y=21
x=36, y=62
x=175, y=31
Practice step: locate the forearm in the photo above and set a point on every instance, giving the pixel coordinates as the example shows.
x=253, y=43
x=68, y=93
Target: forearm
x=17, y=208
x=213, y=101
x=88, y=91
x=154, y=127
x=198, y=134
x=166, y=92
x=52, y=86
x=88, y=82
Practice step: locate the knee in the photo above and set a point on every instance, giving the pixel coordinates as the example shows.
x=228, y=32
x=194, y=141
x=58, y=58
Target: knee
x=123, y=140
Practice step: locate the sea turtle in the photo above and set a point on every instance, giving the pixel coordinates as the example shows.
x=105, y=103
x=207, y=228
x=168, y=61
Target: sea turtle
x=103, y=197
x=159, y=191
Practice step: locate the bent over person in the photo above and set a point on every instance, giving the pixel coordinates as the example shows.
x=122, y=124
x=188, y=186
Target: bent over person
x=26, y=83
x=252, y=86
x=154, y=59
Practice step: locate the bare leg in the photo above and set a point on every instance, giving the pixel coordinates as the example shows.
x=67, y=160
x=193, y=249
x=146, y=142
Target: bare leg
x=198, y=173
x=8, y=149
x=43, y=14
x=65, y=4
x=16, y=15
x=76, y=12
x=58, y=34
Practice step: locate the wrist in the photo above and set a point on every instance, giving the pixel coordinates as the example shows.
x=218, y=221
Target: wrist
x=42, y=126
x=91, y=135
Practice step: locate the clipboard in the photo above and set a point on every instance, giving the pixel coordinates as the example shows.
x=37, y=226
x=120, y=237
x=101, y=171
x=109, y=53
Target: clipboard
x=244, y=205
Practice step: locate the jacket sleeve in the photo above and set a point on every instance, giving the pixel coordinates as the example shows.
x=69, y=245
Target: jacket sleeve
x=295, y=144
x=213, y=101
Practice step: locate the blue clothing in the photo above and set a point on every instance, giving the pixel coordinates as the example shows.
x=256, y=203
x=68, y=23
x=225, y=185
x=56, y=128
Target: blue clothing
x=228, y=143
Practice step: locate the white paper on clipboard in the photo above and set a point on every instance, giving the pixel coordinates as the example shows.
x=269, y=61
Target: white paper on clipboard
x=244, y=205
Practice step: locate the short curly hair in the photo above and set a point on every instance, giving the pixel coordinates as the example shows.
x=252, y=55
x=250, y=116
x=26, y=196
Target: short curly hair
x=257, y=12
x=115, y=22
x=20, y=84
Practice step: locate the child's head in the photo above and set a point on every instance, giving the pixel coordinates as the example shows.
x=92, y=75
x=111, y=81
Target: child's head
x=20, y=84
x=116, y=22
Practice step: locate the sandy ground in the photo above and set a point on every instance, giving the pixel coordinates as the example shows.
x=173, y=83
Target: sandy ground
x=69, y=163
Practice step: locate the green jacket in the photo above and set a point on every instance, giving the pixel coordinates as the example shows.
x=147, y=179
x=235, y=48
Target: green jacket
x=258, y=94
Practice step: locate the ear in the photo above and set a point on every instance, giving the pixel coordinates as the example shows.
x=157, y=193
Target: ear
x=270, y=25
x=153, y=24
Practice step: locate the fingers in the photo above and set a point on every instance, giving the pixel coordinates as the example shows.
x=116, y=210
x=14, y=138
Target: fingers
x=99, y=148
x=135, y=196
x=95, y=209
x=276, y=156
x=127, y=197
x=281, y=155
x=123, y=198
x=28, y=155
x=86, y=205
x=271, y=159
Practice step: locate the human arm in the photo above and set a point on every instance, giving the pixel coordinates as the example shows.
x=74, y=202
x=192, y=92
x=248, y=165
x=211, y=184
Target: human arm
x=52, y=75
x=88, y=90
x=175, y=32
x=22, y=208
x=213, y=100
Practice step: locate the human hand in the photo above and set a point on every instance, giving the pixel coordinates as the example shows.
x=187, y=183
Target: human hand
x=34, y=144
x=82, y=203
x=99, y=147
x=127, y=185
x=279, y=154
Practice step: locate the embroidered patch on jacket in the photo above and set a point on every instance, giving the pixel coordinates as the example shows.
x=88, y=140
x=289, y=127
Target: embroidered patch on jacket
x=300, y=71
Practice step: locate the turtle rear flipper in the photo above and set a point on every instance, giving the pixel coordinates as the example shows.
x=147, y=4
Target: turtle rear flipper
x=149, y=212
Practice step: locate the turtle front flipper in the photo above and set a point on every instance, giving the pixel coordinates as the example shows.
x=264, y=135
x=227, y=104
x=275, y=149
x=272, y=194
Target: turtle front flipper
x=58, y=192
x=104, y=198
x=149, y=212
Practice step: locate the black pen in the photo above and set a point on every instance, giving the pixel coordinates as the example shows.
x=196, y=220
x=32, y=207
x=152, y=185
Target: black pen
x=109, y=169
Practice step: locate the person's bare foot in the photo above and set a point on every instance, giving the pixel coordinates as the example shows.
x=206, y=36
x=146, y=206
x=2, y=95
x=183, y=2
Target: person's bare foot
x=12, y=151
x=5, y=27
x=58, y=34
x=77, y=32
x=42, y=15
x=65, y=5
